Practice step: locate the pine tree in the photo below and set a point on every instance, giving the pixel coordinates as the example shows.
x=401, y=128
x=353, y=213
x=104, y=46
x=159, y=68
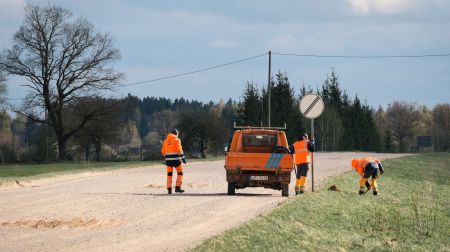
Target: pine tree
x=250, y=106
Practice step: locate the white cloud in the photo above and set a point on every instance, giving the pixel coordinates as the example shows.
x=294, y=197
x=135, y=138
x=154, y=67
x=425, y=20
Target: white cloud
x=223, y=43
x=387, y=7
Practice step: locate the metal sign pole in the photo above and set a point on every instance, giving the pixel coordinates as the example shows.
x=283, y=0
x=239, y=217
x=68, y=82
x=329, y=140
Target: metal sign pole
x=312, y=106
x=312, y=156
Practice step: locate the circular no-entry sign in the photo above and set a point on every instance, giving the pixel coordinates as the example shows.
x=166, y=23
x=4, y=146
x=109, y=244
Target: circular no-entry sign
x=311, y=106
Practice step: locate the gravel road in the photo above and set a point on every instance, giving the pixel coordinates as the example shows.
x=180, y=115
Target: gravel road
x=129, y=210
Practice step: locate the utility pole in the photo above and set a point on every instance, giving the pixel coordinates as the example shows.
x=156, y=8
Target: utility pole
x=269, y=85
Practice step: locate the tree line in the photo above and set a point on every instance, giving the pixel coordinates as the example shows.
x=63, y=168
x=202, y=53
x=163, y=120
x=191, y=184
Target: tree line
x=124, y=128
x=67, y=65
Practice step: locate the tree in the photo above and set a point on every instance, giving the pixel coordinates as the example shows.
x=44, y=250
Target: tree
x=163, y=122
x=330, y=126
x=103, y=129
x=62, y=59
x=401, y=117
x=250, y=106
x=388, y=145
x=284, y=107
x=3, y=93
x=441, y=119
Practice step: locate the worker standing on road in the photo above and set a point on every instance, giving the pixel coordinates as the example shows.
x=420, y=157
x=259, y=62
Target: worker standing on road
x=173, y=155
x=302, y=155
x=368, y=167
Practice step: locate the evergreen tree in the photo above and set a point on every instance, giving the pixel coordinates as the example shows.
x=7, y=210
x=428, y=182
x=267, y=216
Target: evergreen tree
x=388, y=142
x=250, y=106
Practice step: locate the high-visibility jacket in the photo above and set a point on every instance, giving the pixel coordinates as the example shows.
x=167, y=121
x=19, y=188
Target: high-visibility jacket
x=301, y=152
x=363, y=162
x=171, y=148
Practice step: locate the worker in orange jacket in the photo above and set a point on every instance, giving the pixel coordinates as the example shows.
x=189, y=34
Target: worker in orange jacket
x=368, y=167
x=173, y=155
x=302, y=155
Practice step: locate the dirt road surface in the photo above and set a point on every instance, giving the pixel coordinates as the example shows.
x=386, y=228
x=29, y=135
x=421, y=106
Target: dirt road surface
x=129, y=210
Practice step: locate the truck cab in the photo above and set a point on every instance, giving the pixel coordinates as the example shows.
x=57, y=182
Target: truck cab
x=259, y=157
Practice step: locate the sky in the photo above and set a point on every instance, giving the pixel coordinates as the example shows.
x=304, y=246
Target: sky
x=163, y=38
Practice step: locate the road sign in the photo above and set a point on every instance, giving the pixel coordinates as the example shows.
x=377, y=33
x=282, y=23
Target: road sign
x=311, y=106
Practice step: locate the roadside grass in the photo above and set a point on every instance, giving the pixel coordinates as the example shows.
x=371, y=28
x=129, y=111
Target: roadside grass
x=10, y=172
x=412, y=214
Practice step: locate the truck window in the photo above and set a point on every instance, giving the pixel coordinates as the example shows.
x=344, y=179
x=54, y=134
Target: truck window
x=254, y=140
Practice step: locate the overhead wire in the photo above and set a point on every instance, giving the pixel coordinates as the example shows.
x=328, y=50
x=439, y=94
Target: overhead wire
x=192, y=72
x=363, y=56
x=275, y=53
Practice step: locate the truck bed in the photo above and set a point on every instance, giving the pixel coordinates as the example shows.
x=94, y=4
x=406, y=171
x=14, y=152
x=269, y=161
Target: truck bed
x=258, y=161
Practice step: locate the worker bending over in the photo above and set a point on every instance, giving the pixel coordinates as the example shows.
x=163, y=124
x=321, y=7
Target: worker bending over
x=302, y=155
x=173, y=155
x=366, y=168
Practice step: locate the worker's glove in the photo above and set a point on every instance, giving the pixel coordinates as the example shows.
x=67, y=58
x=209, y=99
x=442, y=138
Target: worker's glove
x=184, y=160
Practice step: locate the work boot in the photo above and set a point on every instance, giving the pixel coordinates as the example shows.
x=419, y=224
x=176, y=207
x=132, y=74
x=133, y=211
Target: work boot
x=169, y=190
x=375, y=193
x=301, y=192
x=178, y=189
x=297, y=192
x=361, y=192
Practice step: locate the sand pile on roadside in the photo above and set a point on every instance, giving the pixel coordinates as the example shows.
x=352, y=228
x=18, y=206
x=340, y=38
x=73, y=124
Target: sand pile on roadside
x=77, y=222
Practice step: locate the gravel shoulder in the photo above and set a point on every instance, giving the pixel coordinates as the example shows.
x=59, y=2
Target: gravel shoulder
x=129, y=209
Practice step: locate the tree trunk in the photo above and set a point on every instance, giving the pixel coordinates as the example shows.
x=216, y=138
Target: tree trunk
x=86, y=153
x=61, y=148
x=202, y=148
x=97, y=153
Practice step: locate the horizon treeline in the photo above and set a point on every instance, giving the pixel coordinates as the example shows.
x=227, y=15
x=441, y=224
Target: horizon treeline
x=131, y=128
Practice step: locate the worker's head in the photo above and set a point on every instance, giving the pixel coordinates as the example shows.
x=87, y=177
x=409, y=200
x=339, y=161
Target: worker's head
x=354, y=163
x=175, y=132
x=305, y=136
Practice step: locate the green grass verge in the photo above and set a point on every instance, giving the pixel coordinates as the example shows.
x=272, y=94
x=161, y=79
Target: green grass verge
x=412, y=214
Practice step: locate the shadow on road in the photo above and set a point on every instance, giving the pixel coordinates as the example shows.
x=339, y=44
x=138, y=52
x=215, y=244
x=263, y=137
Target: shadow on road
x=214, y=194
x=186, y=194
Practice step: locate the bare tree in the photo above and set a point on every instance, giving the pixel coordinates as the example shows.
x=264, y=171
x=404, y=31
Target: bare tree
x=104, y=128
x=3, y=93
x=401, y=117
x=163, y=122
x=62, y=58
x=441, y=119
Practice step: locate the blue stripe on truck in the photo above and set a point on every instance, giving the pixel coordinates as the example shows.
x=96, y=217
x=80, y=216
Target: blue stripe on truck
x=274, y=160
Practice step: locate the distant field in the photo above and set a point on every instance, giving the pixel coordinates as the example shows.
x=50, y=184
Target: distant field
x=412, y=214
x=7, y=171
x=16, y=171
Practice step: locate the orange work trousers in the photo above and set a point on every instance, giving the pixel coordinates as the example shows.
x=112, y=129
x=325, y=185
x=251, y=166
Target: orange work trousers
x=179, y=176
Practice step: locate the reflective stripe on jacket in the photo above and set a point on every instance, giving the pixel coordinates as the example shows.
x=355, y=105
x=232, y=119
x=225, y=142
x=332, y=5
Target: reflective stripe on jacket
x=301, y=152
x=171, y=149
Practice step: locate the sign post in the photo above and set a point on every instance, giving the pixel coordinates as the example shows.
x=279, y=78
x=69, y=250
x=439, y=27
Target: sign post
x=312, y=106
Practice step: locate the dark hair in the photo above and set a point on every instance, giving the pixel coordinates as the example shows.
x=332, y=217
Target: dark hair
x=175, y=131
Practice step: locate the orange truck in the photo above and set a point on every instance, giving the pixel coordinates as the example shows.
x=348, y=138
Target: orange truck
x=259, y=157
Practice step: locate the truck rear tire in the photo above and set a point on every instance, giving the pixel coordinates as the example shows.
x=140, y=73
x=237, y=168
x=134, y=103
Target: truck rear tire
x=231, y=188
x=285, y=190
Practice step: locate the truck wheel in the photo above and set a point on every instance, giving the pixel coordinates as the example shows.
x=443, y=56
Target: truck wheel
x=231, y=188
x=285, y=190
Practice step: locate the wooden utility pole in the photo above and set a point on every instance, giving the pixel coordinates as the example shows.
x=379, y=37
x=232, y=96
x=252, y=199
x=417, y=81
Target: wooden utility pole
x=269, y=86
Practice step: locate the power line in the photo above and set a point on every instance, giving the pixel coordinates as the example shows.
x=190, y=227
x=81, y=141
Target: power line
x=192, y=72
x=364, y=56
x=275, y=53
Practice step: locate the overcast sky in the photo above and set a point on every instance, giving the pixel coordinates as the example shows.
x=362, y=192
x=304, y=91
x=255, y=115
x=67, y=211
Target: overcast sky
x=161, y=38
